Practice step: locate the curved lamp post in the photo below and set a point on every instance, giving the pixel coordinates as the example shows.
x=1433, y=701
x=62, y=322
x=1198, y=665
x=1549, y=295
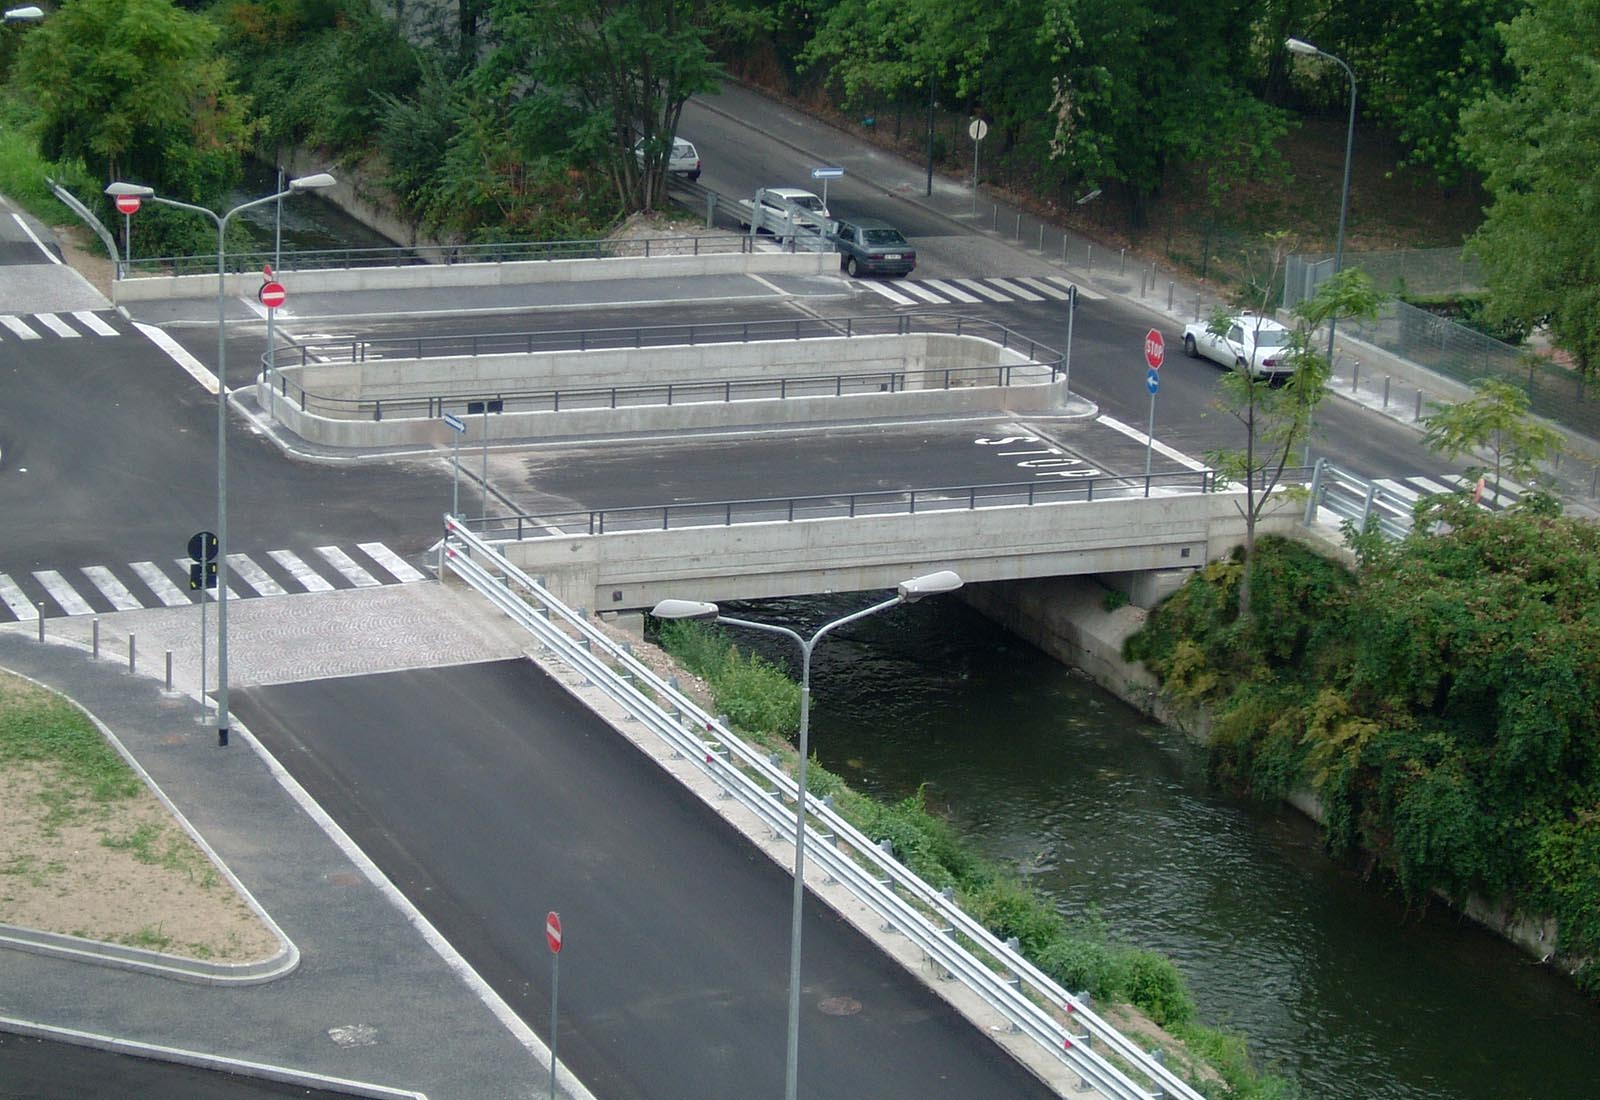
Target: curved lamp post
x=24, y=15
x=296, y=186
x=931, y=584
x=1300, y=46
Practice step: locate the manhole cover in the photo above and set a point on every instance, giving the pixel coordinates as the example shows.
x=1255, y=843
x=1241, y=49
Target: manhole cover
x=174, y=739
x=343, y=878
x=839, y=1006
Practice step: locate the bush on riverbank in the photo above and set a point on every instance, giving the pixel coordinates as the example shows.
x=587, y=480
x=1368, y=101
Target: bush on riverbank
x=1443, y=702
x=1083, y=954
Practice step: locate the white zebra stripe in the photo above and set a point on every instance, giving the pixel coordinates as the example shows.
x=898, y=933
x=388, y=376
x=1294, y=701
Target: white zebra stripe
x=1048, y=289
x=12, y=597
x=1083, y=291
x=307, y=577
x=57, y=325
x=893, y=295
x=253, y=575
x=90, y=320
x=159, y=583
x=1015, y=290
x=394, y=563
x=979, y=288
x=922, y=292
x=346, y=565
x=15, y=325
x=62, y=592
x=111, y=588
x=953, y=291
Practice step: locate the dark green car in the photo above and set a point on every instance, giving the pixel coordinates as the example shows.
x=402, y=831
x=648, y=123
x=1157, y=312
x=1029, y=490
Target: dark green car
x=868, y=246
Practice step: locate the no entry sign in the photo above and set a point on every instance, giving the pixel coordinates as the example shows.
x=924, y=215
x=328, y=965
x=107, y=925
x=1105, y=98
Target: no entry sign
x=272, y=295
x=127, y=204
x=552, y=931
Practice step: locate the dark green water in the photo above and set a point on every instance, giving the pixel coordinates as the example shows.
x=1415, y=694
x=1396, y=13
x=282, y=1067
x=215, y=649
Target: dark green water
x=1338, y=985
x=309, y=221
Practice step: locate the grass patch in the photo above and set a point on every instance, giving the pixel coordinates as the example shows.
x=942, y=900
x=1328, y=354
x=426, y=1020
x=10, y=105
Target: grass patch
x=23, y=172
x=39, y=727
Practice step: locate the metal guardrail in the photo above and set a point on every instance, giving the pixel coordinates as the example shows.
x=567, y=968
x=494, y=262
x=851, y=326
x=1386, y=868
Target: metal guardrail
x=1035, y=1005
x=1039, y=358
x=604, y=248
x=878, y=502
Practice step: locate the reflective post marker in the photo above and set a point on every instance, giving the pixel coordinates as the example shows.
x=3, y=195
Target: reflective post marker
x=552, y=936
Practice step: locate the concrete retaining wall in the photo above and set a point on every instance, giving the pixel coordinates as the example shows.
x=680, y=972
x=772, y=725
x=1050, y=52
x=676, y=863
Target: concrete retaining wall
x=474, y=377
x=519, y=273
x=630, y=570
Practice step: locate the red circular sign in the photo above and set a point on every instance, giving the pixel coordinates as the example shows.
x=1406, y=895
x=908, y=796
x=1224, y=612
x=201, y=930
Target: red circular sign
x=1155, y=349
x=272, y=295
x=127, y=204
x=552, y=931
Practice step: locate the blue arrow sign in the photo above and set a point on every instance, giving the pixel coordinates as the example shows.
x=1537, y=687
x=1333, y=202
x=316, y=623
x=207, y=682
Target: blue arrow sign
x=455, y=422
x=1152, y=381
x=826, y=173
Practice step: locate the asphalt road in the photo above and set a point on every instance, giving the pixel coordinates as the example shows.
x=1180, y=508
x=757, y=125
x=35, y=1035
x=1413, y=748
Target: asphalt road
x=490, y=796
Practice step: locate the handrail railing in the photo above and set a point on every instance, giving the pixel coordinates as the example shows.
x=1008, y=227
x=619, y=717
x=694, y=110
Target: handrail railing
x=1094, y=485
x=1036, y=359
x=1059, y=1022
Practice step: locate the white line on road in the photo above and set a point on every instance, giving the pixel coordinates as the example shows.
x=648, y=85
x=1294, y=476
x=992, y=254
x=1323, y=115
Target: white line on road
x=394, y=563
x=1159, y=447
x=893, y=295
x=111, y=588
x=307, y=577
x=51, y=256
x=253, y=575
x=1048, y=289
x=979, y=288
x=91, y=320
x=16, y=325
x=1014, y=289
x=921, y=292
x=57, y=326
x=159, y=583
x=13, y=597
x=346, y=565
x=62, y=592
x=953, y=291
x=197, y=370
x=1083, y=291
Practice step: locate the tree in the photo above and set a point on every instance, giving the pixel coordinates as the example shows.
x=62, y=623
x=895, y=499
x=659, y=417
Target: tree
x=134, y=89
x=1496, y=419
x=1536, y=147
x=1277, y=418
x=627, y=65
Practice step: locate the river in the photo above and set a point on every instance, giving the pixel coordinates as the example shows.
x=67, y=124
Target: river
x=1337, y=983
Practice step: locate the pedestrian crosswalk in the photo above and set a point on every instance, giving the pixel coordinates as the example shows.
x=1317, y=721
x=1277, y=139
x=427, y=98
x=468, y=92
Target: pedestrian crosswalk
x=62, y=326
x=101, y=589
x=1409, y=490
x=1012, y=288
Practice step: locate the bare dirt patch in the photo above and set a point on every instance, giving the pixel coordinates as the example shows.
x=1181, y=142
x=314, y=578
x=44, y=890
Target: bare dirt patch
x=118, y=869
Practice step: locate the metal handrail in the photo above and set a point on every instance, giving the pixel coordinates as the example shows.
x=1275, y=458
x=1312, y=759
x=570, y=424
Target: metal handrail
x=875, y=877
x=871, y=504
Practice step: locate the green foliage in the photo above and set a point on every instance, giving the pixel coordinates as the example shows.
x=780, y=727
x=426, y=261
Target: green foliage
x=39, y=727
x=752, y=691
x=1535, y=144
x=1444, y=702
x=1495, y=419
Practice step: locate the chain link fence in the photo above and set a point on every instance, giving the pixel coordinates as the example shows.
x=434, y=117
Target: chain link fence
x=1403, y=272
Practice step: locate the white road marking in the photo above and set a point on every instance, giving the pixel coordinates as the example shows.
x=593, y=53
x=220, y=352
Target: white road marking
x=111, y=588
x=62, y=592
x=13, y=597
x=1047, y=289
x=57, y=326
x=953, y=291
x=1433, y=486
x=91, y=320
x=159, y=583
x=51, y=256
x=394, y=563
x=253, y=575
x=346, y=565
x=15, y=324
x=1083, y=291
x=1159, y=447
x=1012, y=288
x=769, y=285
x=893, y=295
x=197, y=370
x=308, y=578
x=979, y=288
x=922, y=292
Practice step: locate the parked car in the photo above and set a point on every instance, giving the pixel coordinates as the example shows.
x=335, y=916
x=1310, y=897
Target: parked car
x=683, y=161
x=868, y=246
x=1251, y=341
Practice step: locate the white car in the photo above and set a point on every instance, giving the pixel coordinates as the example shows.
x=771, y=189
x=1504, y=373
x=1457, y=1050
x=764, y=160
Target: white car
x=684, y=161
x=804, y=208
x=1251, y=341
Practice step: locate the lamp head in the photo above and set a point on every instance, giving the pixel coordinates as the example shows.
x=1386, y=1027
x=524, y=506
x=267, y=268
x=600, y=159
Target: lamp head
x=685, y=609
x=312, y=183
x=136, y=190
x=1300, y=45
x=930, y=584
x=29, y=14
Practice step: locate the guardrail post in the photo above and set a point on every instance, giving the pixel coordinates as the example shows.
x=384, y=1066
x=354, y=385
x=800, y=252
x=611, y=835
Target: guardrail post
x=711, y=217
x=1312, y=498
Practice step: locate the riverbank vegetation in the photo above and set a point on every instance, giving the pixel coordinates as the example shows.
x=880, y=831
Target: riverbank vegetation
x=1079, y=951
x=1441, y=700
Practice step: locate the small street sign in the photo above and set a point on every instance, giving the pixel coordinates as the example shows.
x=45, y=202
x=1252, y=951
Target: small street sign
x=1152, y=381
x=202, y=546
x=552, y=931
x=1155, y=349
x=455, y=422
x=826, y=173
x=978, y=130
x=202, y=575
x=272, y=295
x=127, y=204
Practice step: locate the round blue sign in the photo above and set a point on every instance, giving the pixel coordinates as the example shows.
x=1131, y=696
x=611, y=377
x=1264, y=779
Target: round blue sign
x=1152, y=381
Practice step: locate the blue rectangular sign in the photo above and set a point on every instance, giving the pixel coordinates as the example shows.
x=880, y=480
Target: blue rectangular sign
x=826, y=173
x=455, y=422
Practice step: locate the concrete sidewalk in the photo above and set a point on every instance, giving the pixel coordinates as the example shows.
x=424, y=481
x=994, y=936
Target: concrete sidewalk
x=379, y=1005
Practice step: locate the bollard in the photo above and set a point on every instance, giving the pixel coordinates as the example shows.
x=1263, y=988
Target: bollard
x=1355, y=374
x=1386, y=380
x=95, y=648
x=1122, y=261
x=994, y=221
x=1594, y=491
x=1041, y=236
x=1197, y=305
x=1088, y=263
x=41, y=624
x=1018, y=233
x=1159, y=1057
x=169, y=670
x=1418, y=414
x=131, y=665
x=1172, y=289
x=1063, y=248
x=711, y=212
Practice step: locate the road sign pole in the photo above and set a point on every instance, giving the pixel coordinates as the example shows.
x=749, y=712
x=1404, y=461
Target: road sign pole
x=203, y=707
x=1149, y=441
x=127, y=242
x=455, y=478
x=1072, y=311
x=555, y=985
x=485, y=512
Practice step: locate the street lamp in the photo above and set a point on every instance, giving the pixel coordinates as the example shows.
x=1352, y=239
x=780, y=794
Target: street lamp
x=1300, y=46
x=296, y=186
x=24, y=15
x=931, y=584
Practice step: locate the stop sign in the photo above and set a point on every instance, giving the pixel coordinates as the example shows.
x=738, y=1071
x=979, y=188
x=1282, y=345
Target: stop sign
x=272, y=295
x=552, y=931
x=1155, y=349
x=127, y=204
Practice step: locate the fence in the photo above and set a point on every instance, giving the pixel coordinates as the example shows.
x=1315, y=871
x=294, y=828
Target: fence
x=1424, y=271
